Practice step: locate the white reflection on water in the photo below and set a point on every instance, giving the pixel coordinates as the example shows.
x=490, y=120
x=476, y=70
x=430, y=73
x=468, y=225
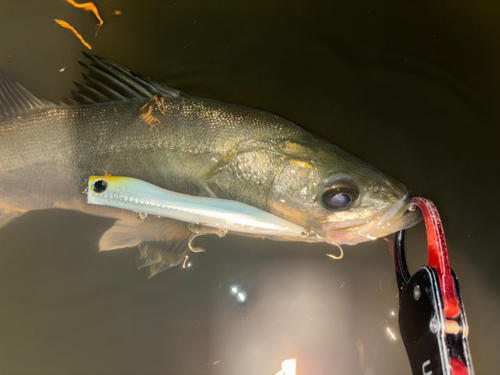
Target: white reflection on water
x=391, y=334
x=239, y=292
x=288, y=367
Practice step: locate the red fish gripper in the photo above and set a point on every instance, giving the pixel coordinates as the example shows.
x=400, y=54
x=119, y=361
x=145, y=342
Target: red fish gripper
x=432, y=318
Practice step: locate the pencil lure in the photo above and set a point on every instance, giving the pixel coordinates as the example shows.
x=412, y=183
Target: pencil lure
x=221, y=214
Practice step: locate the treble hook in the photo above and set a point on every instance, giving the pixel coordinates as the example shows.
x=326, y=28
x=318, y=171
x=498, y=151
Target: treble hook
x=312, y=234
x=340, y=249
x=198, y=230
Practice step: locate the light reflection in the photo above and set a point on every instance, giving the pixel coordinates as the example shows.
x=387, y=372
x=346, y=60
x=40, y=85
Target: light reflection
x=242, y=296
x=367, y=235
x=239, y=292
x=391, y=334
x=288, y=367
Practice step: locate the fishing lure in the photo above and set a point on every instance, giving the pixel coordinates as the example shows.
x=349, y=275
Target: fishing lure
x=145, y=198
x=205, y=214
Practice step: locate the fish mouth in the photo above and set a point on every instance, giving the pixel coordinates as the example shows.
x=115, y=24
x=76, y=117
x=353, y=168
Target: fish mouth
x=394, y=219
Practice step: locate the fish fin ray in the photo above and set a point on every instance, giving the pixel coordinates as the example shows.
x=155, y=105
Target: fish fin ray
x=162, y=243
x=107, y=81
x=158, y=256
x=122, y=234
x=14, y=98
x=91, y=93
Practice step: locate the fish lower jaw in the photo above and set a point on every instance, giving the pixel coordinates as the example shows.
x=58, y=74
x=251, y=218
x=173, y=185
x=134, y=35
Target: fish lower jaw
x=373, y=230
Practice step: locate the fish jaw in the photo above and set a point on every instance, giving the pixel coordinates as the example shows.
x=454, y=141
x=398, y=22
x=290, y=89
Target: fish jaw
x=395, y=218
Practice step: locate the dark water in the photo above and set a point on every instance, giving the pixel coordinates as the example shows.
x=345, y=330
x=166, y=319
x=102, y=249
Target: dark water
x=411, y=87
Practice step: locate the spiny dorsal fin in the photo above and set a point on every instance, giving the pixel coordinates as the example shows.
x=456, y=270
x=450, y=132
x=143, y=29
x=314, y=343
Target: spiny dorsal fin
x=14, y=98
x=106, y=81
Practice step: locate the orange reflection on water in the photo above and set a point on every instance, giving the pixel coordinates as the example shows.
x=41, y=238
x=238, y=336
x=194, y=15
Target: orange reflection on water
x=90, y=7
x=68, y=26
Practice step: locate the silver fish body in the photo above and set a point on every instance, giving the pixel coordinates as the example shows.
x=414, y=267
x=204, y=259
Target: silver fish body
x=128, y=125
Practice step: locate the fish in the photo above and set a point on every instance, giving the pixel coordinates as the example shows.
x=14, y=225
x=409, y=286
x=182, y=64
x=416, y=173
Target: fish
x=124, y=124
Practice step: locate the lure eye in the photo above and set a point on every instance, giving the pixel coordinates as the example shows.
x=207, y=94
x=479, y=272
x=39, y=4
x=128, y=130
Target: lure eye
x=339, y=197
x=99, y=186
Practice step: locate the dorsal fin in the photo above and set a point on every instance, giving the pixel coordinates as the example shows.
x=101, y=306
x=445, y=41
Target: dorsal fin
x=14, y=98
x=106, y=81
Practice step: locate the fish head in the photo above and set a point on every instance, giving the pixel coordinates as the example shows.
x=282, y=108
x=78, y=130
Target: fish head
x=340, y=197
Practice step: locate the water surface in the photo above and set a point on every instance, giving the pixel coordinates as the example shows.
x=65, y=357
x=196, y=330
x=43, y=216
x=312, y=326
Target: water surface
x=411, y=88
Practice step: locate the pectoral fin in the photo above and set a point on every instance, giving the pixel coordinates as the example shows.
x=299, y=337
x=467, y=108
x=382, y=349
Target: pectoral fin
x=163, y=243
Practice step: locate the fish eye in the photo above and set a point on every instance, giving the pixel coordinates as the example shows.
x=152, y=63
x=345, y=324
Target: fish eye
x=99, y=186
x=339, y=197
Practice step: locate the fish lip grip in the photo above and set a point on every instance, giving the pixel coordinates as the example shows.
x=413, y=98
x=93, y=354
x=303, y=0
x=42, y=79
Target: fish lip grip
x=432, y=318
